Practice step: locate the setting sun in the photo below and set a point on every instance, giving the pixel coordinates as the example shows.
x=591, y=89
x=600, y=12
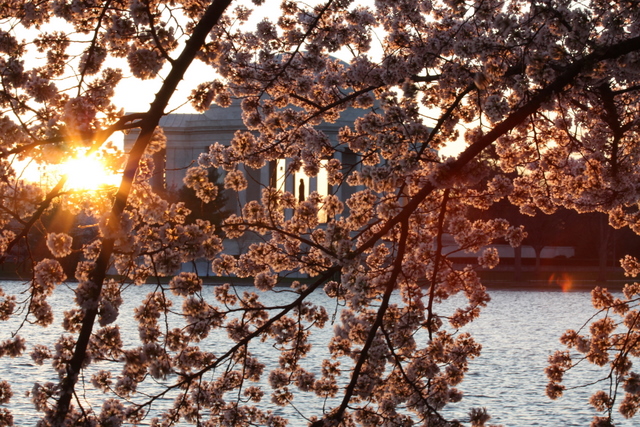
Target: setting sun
x=87, y=173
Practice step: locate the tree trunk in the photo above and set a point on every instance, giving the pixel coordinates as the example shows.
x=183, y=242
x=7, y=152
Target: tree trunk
x=98, y=275
x=603, y=249
x=517, y=263
x=538, y=270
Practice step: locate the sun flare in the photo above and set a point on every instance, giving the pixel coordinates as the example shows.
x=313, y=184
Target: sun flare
x=87, y=173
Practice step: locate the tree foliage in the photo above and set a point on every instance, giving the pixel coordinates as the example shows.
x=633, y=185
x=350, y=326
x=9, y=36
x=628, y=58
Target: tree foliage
x=549, y=87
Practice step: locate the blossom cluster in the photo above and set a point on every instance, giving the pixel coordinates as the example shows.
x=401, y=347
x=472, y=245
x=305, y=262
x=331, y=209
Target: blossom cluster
x=611, y=342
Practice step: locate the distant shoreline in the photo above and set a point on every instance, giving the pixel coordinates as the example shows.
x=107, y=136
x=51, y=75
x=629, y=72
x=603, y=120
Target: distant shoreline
x=556, y=282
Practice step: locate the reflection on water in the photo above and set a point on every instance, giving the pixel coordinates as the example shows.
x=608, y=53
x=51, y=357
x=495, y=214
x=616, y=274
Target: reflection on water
x=518, y=331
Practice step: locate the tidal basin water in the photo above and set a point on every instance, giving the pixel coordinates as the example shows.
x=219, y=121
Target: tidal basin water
x=518, y=331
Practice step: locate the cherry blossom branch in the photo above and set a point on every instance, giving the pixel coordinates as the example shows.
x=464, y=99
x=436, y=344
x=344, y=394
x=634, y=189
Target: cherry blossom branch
x=186, y=378
x=377, y=324
x=92, y=46
x=612, y=118
x=409, y=381
x=626, y=90
x=513, y=120
x=55, y=192
x=313, y=25
x=445, y=116
x=129, y=121
x=148, y=125
x=154, y=34
x=322, y=110
x=436, y=266
x=101, y=136
x=274, y=228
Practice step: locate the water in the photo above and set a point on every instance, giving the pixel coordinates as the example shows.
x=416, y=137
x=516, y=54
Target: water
x=518, y=331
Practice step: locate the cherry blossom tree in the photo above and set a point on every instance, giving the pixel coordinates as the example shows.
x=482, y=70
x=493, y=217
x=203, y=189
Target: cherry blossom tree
x=544, y=91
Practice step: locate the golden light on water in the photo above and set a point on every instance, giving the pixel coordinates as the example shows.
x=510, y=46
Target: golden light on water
x=563, y=280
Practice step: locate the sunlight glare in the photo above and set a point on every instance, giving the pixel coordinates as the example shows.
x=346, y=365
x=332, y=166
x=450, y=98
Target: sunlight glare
x=87, y=173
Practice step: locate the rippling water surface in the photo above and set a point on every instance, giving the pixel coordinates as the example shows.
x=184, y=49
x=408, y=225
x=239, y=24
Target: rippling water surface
x=518, y=331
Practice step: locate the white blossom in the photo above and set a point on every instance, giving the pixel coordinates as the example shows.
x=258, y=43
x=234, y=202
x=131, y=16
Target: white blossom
x=59, y=244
